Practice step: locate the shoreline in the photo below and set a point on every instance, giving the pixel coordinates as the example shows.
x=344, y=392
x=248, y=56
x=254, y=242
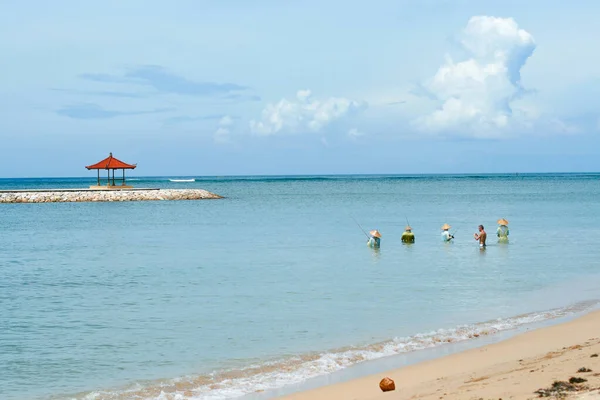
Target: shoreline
x=513, y=368
x=102, y=195
x=235, y=383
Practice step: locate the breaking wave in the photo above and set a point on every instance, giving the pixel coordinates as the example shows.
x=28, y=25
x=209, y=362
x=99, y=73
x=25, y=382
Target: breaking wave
x=278, y=373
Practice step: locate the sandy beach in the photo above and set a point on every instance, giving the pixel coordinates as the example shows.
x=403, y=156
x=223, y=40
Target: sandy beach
x=516, y=368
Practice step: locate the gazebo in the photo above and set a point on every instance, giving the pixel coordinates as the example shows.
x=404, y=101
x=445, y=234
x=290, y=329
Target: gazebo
x=111, y=163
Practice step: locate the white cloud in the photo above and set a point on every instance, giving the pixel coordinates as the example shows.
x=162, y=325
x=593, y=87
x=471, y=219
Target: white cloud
x=476, y=93
x=355, y=133
x=222, y=134
x=305, y=113
x=226, y=121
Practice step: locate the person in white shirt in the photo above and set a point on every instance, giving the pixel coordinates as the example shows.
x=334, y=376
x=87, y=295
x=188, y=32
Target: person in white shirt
x=446, y=236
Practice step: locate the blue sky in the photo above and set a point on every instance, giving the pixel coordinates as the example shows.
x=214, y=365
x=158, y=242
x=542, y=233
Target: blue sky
x=299, y=87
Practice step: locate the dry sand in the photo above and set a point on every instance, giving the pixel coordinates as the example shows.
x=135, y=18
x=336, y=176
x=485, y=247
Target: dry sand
x=513, y=369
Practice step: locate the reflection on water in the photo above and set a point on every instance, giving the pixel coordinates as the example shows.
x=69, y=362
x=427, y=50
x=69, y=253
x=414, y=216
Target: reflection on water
x=447, y=246
x=503, y=248
x=376, y=253
x=482, y=250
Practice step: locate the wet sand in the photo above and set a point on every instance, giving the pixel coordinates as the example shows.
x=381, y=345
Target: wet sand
x=516, y=368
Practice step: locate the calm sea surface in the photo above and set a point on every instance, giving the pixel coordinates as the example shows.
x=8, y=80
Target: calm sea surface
x=275, y=284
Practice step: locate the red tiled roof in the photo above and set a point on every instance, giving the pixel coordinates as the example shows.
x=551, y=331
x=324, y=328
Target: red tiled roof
x=111, y=163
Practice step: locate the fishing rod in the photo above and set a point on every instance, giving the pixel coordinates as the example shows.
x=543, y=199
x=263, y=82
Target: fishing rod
x=407, y=223
x=361, y=228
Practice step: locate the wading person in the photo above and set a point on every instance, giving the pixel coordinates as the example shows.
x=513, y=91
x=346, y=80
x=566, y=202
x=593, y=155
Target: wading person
x=446, y=236
x=375, y=239
x=481, y=236
x=408, y=236
x=502, y=231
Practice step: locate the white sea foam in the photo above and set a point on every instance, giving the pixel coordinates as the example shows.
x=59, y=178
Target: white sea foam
x=183, y=180
x=279, y=373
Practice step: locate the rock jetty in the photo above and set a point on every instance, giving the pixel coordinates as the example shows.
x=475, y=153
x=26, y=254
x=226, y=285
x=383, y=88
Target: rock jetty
x=87, y=195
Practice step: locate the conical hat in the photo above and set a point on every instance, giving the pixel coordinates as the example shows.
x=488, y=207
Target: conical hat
x=375, y=233
x=408, y=228
x=446, y=226
x=502, y=221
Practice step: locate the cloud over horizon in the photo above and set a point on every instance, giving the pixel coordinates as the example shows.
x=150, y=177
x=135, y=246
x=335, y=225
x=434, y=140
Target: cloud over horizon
x=222, y=134
x=476, y=93
x=304, y=114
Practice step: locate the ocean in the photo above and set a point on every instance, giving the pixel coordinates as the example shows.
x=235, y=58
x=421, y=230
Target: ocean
x=274, y=284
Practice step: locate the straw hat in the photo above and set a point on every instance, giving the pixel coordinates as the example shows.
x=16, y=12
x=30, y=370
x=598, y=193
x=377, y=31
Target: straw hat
x=446, y=226
x=502, y=221
x=375, y=233
x=408, y=228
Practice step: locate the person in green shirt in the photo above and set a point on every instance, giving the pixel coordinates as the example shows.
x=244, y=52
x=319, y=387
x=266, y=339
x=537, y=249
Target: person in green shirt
x=502, y=231
x=408, y=236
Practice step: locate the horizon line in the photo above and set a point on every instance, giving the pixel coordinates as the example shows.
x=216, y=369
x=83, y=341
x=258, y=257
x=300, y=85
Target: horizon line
x=319, y=175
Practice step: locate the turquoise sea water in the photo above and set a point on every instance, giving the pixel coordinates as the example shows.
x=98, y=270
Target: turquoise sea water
x=275, y=284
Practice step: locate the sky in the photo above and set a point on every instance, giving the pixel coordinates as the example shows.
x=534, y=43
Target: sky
x=275, y=87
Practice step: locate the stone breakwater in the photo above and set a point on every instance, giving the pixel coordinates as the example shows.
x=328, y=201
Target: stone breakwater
x=59, y=196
